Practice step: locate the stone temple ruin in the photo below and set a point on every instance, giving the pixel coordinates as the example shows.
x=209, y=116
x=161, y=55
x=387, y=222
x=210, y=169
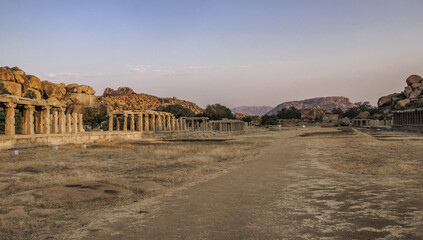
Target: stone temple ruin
x=38, y=117
x=50, y=122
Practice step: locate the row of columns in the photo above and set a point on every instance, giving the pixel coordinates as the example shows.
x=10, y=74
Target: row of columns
x=227, y=126
x=408, y=117
x=45, y=122
x=145, y=121
x=197, y=124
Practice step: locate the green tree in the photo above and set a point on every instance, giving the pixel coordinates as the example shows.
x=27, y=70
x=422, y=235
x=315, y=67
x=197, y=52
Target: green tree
x=218, y=112
x=177, y=110
x=351, y=113
x=269, y=120
x=289, y=113
x=30, y=94
x=94, y=117
x=338, y=111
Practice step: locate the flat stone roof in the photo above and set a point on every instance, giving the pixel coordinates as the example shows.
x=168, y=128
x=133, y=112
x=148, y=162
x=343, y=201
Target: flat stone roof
x=6, y=98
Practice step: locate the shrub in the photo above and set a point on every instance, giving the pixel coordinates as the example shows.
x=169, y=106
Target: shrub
x=177, y=110
x=218, y=112
x=269, y=120
x=30, y=94
x=289, y=113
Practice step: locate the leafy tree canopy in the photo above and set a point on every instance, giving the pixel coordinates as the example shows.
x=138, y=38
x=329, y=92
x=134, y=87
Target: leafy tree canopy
x=177, y=110
x=289, y=113
x=95, y=116
x=269, y=120
x=218, y=112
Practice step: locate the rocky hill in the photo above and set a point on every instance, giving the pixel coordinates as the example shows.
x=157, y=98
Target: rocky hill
x=252, y=110
x=76, y=97
x=125, y=98
x=411, y=97
x=328, y=103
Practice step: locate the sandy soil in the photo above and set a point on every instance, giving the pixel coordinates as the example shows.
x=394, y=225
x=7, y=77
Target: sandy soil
x=312, y=183
x=45, y=192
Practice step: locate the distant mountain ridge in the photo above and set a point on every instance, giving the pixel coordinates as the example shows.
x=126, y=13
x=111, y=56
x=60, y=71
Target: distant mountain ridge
x=328, y=103
x=252, y=110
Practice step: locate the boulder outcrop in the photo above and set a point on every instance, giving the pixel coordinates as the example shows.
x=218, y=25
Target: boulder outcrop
x=411, y=96
x=75, y=97
x=126, y=99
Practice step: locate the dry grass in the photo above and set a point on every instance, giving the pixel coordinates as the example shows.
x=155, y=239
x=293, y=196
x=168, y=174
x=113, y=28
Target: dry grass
x=45, y=191
x=368, y=151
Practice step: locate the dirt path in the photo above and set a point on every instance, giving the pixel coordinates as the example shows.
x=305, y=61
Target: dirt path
x=284, y=194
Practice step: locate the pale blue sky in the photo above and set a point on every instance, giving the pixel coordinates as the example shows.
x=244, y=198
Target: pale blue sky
x=230, y=52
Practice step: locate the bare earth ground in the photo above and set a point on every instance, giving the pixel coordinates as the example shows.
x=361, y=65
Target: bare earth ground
x=312, y=183
x=45, y=192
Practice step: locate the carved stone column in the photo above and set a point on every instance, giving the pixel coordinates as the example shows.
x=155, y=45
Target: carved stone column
x=117, y=123
x=62, y=121
x=139, y=122
x=80, y=122
x=74, y=122
x=158, y=122
x=146, y=122
x=40, y=124
x=111, y=123
x=55, y=125
x=169, y=128
x=153, y=122
x=68, y=123
x=132, y=123
x=173, y=122
x=47, y=120
x=9, y=120
x=28, y=120
x=125, y=122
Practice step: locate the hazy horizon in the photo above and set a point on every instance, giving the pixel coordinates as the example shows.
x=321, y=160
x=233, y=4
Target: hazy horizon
x=237, y=53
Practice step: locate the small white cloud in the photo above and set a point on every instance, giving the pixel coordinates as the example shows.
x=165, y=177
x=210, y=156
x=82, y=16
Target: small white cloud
x=72, y=76
x=138, y=69
x=198, y=67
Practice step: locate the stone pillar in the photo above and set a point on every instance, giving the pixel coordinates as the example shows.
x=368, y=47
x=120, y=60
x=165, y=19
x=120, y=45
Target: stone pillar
x=153, y=122
x=111, y=123
x=80, y=122
x=55, y=127
x=173, y=123
x=74, y=123
x=62, y=120
x=139, y=122
x=169, y=127
x=28, y=120
x=117, y=123
x=146, y=122
x=9, y=120
x=68, y=123
x=125, y=122
x=47, y=120
x=132, y=123
x=158, y=122
x=40, y=125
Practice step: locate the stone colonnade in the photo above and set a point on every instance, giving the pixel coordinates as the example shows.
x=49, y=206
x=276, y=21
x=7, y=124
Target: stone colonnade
x=371, y=123
x=38, y=117
x=197, y=123
x=408, y=117
x=227, y=125
x=145, y=121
